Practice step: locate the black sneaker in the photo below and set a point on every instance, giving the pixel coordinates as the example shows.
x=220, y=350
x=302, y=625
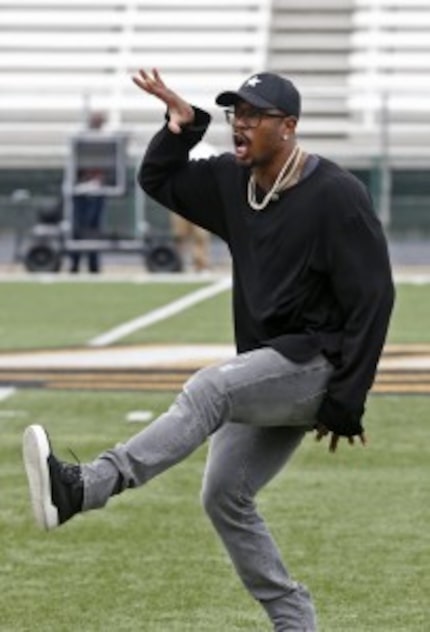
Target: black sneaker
x=56, y=488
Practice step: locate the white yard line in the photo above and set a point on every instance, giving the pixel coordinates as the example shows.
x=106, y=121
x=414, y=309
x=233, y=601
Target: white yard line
x=7, y=392
x=122, y=275
x=161, y=313
x=128, y=357
x=412, y=278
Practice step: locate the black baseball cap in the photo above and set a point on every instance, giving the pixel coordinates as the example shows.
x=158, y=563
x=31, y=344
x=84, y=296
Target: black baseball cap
x=265, y=90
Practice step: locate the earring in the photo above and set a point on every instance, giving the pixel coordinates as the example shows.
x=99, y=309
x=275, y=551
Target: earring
x=285, y=137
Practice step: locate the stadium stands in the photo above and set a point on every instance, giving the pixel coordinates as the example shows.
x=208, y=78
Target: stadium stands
x=56, y=62
x=362, y=66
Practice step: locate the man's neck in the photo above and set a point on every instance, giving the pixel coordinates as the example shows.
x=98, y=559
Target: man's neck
x=265, y=175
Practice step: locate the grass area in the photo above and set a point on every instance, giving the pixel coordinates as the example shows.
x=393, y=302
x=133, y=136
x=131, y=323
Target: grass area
x=353, y=526
x=48, y=315
x=208, y=321
x=411, y=316
x=41, y=315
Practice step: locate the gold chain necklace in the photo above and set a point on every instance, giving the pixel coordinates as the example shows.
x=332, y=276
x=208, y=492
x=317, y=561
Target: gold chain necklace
x=284, y=177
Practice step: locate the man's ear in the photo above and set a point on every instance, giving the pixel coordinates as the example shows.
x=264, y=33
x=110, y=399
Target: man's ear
x=290, y=123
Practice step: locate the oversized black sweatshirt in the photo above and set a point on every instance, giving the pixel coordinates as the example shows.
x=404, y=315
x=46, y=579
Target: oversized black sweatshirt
x=311, y=273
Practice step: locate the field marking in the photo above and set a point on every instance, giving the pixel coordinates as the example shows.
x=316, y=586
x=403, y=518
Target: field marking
x=402, y=370
x=6, y=392
x=162, y=313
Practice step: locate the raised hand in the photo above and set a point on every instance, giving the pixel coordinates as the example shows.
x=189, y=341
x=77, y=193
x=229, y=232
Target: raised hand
x=180, y=112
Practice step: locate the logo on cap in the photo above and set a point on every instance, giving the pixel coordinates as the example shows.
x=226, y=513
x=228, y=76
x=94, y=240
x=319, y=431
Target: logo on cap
x=253, y=81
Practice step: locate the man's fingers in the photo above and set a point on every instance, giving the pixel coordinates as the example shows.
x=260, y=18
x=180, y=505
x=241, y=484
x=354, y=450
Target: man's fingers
x=140, y=80
x=321, y=431
x=142, y=73
x=142, y=76
x=362, y=438
x=146, y=76
x=334, y=440
x=319, y=435
x=146, y=81
x=157, y=77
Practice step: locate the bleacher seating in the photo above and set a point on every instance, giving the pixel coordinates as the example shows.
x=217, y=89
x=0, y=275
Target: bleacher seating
x=310, y=42
x=56, y=63
x=354, y=60
x=390, y=65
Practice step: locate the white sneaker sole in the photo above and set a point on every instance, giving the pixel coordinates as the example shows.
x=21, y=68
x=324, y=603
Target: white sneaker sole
x=36, y=450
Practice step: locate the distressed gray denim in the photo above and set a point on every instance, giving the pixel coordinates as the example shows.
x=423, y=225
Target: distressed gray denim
x=256, y=408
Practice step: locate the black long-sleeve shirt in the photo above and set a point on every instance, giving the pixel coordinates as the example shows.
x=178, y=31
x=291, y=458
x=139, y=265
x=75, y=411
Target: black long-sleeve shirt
x=311, y=273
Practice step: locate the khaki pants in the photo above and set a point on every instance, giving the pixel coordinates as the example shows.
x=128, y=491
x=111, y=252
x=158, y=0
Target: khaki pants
x=192, y=241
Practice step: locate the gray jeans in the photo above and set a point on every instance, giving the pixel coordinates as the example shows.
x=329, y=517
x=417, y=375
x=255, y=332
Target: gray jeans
x=256, y=408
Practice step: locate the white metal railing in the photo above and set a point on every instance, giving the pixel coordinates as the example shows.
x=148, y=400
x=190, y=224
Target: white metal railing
x=390, y=62
x=56, y=63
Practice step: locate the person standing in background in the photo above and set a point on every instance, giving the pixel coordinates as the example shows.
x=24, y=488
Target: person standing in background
x=193, y=241
x=88, y=207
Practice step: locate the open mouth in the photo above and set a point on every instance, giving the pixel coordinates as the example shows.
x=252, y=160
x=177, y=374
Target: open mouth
x=241, y=145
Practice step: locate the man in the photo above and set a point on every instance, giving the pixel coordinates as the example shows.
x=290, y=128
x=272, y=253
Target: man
x=192, y=240
x=88, y=206
x=312, y=298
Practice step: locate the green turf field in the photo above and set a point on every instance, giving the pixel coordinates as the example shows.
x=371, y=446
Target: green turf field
x=49, y=315
x=353, y=526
